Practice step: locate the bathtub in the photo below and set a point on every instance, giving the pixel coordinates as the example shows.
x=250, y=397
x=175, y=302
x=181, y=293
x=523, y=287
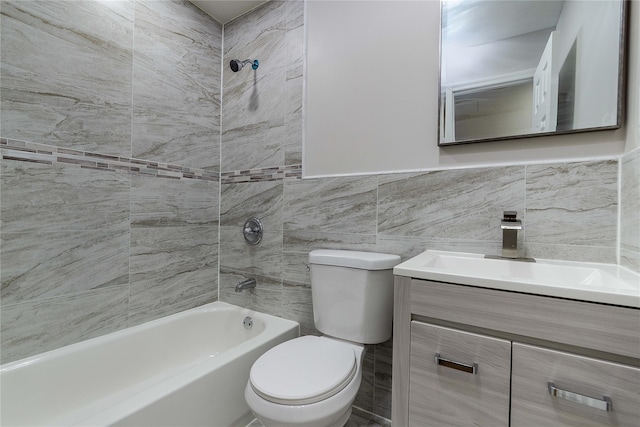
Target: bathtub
x=187, y=369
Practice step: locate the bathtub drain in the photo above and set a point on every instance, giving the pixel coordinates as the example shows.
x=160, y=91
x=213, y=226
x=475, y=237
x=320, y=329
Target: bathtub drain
x=247, y=322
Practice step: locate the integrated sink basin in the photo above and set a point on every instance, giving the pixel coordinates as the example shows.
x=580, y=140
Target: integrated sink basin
x=603, y=283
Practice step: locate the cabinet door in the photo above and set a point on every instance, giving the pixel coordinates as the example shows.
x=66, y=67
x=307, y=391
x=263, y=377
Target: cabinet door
x=561, y=389
x=445, y=390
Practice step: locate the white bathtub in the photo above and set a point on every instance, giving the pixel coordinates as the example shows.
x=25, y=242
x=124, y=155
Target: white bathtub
x=188, y=369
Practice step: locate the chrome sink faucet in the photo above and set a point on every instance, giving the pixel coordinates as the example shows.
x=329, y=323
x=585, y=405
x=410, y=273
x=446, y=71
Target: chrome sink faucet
x=245, y=284
x=510, y=226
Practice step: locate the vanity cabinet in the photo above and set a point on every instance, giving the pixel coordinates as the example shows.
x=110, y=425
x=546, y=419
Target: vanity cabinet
x=457, y=377
x=539, y=361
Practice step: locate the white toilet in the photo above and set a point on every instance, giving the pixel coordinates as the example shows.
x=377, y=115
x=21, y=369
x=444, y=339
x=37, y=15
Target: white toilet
x=312, y=381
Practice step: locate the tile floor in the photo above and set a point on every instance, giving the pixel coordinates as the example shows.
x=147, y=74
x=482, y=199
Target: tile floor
x=358, y=418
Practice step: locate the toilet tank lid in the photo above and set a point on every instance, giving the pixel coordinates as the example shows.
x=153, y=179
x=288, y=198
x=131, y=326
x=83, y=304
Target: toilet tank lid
x=354, y=259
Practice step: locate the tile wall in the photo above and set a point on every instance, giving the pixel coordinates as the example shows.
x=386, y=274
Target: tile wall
x=109, y=187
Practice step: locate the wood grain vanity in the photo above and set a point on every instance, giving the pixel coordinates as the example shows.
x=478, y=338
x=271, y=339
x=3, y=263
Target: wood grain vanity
x=471, y=355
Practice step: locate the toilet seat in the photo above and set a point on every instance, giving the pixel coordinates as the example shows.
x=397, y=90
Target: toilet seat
x=304, y=370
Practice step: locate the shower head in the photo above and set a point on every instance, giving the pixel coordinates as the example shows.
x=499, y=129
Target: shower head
x=236, y=65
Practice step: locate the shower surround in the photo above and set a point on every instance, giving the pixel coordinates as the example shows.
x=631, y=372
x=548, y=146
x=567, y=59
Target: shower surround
x=88, y=248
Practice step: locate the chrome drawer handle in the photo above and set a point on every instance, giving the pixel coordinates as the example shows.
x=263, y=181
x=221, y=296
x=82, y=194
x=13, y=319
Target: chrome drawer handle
x=472, y=369
x=605, y=404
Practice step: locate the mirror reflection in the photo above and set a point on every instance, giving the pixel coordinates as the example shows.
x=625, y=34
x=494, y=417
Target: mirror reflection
x=529, y=68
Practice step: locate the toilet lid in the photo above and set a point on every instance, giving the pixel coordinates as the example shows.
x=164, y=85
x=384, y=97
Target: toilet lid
x=304, y=370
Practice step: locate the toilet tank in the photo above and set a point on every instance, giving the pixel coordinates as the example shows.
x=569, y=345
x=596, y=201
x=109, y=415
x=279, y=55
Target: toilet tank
x=352, y=294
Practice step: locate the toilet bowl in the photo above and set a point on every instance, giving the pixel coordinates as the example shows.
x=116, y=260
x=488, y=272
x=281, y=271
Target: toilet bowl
x=309, y=381
x=312, y=381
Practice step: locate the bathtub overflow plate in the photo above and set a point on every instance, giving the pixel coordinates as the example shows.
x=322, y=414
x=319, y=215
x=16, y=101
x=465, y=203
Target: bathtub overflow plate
x=247, y=322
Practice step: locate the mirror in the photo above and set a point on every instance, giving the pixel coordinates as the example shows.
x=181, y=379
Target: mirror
x=526, y=68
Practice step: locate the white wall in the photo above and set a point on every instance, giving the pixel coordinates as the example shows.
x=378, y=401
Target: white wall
x=372, y=97
x=596, y=82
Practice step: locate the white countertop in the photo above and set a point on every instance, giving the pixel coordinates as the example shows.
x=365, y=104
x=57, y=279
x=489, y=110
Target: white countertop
x=593, y=282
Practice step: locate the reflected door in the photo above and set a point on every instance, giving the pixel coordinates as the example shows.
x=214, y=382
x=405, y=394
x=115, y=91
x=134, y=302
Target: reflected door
x=545, y=104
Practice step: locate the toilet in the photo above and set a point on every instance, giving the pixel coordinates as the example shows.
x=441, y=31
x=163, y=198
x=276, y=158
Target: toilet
x=312, y=381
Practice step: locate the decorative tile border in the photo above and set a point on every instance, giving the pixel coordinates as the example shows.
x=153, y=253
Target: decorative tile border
x=264, y=174
x=49, y=155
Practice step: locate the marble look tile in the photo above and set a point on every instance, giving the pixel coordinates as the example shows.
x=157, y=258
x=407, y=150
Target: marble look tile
x=263, y=259
x=408, y=247
x=260, y=199
x=266, y=297
x=584, y=253
x=464, y=204
x=337, y=205
x=176, y=89
x=630, y=210
x=158, y=202
x=572, y=204
x=260, y=34
x=293, y=122
x=298, y=243
x=297, y=305
x=40, y=198
x=38, y=326
x=295, y=38
x=172, y=269
x=40, y=265
x=253, y=119
x=365, y=396
x=383, y=369
x=66, y=73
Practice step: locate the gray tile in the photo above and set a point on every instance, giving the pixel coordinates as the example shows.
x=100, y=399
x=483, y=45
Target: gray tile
x=266, y=297
x=630, y=211
x=297, y=305
x=176, y=90
x=171, y=202
x=172, y=269
x=336, y=205
x=38, y=326
x=298, y=243
x=463, y=204
x=408, y=247
x=260, y=34
x=40, y=265
x=39, y=198
x=365, y=396
x=572, y=204
x=66, y=74
x=293, y=122
x=584, y=253
x=260, y=199
x=253, y=129
x=263, y=259
x=383, y=369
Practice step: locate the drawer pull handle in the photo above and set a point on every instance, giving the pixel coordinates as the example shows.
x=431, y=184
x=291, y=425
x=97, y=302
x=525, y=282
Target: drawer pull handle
x=472, y=369
x=605, y=404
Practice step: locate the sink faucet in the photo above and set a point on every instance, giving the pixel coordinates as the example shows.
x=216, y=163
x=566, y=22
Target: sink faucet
x=245, y=284
x=510, y=226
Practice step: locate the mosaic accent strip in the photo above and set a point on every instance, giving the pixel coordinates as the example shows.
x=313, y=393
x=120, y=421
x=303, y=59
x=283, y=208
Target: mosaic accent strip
x=263, y=174
x=47, y=154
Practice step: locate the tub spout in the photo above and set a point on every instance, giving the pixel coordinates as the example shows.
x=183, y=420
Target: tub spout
x=245, y=284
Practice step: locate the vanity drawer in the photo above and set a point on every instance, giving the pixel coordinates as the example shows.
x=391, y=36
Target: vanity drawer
x=576, y=379
x=447, y=392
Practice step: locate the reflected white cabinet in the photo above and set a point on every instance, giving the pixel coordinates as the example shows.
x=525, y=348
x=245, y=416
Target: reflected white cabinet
x=537, y=360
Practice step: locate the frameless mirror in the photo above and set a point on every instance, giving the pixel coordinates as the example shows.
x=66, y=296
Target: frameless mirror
x=525, y=68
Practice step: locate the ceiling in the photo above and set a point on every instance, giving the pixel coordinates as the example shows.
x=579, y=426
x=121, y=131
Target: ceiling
x=224, y=11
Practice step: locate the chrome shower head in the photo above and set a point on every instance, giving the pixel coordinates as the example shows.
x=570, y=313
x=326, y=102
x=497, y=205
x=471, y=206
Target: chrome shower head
x=236, y=65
